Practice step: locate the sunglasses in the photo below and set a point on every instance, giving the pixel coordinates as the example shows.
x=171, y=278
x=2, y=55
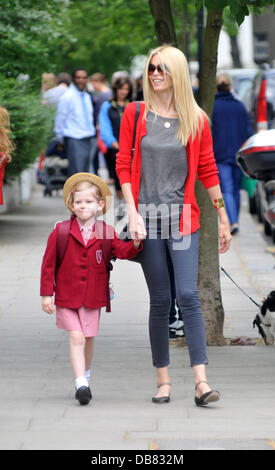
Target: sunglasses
x=159, y=67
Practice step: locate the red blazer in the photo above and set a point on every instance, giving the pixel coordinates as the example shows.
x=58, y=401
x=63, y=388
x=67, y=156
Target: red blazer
x=82, y=276
x=200, y=157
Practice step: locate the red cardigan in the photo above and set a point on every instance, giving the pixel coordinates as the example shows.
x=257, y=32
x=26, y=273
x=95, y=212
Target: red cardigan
x=200, y=157
x=82, y=277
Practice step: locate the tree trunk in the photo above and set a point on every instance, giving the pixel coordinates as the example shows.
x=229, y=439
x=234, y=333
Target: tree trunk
x=209, y=275
x=164, y=23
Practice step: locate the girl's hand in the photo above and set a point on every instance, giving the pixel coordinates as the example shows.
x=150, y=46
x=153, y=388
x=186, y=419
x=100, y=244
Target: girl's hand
x=224, y=236
x=47, y=304
x=136, y=226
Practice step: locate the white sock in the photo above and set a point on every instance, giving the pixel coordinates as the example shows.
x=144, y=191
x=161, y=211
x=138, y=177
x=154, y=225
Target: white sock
x=80, y=382
x=88, y=375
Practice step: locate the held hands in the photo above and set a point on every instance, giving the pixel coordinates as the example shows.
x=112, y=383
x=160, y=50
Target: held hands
x=47, y=304
x=137, y=228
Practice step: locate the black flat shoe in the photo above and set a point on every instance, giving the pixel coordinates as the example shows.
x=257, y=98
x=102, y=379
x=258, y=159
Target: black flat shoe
x=208, y=397
x=234, y=231
x=83, y=395
x=164, y=399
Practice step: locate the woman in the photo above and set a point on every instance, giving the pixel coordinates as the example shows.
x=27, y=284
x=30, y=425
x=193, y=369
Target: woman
x=173, y=145
x=6, y=146
x=110, y=115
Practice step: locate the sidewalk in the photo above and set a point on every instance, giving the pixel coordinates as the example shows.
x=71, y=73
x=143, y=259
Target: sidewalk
x=37, y=405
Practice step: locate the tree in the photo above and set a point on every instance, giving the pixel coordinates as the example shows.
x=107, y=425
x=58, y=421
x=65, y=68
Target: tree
x=107, y=34
x=209, y=278
x=30, y=33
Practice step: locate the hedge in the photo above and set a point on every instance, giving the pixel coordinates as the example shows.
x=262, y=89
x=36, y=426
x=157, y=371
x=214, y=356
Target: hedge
x=31, y=123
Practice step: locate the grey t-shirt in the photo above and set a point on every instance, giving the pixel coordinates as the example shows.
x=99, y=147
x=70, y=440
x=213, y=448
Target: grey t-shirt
x=164, y=170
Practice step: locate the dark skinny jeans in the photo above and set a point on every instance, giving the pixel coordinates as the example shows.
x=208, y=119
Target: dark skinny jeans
x=185, y=265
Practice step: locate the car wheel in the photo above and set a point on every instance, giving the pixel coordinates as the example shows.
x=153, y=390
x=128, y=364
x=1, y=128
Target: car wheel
x=267, y=228
x=258, y=206
x=252, y=204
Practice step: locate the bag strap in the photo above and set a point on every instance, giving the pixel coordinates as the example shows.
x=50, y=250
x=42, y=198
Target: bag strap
x=135, y=127
x=106, y=244
x=63, y=230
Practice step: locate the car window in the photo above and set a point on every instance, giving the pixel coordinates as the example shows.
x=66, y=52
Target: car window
x=244, y=85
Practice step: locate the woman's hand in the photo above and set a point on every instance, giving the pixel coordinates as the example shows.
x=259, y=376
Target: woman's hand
x=224, y=236
x=136, y=226
x=47, y=304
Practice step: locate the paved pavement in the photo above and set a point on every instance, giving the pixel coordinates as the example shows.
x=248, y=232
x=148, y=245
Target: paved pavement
x=37, y=405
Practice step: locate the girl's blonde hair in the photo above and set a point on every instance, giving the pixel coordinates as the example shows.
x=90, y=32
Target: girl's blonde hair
x=189, y=113
x=6, y=145
x=81, y=187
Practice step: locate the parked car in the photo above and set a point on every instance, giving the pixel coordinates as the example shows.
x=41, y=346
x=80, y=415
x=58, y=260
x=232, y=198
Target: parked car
x=256, y=158
x=260, y=100
x=242, y=81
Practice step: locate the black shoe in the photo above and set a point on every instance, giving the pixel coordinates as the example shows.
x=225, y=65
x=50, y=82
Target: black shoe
x=164, y=399
x=235, y=230
x=83, y=395
x=208, y=397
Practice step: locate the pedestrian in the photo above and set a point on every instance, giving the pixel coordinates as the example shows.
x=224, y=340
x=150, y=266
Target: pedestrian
x=110, y=116
x=52, y=95
x=48, y=82
x=6, y=146
x=230, y=128
x=74, y=125
x=173, y=146
x=101, y=91
x=80, y=279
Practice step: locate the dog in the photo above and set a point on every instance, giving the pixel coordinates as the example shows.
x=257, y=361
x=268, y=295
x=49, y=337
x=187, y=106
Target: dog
x=265, y=320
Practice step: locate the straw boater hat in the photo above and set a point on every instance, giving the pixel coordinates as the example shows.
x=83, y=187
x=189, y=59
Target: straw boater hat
x=94, y=179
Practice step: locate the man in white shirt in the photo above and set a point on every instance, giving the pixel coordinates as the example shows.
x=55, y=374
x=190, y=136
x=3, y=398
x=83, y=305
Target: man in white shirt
x=74, y=125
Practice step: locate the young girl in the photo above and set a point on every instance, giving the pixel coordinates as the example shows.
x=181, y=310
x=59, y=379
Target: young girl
x=80, y=283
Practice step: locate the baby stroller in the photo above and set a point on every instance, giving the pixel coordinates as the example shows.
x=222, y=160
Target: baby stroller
x=54, y=170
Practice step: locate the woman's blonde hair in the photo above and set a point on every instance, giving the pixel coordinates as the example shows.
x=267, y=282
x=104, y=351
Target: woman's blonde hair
x=190, y=115
x=6, y=145
x=81, y=187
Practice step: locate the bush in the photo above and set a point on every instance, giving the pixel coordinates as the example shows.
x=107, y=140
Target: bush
x=31, y=123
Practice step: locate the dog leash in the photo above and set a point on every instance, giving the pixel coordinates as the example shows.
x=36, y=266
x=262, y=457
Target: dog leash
x=252, y=300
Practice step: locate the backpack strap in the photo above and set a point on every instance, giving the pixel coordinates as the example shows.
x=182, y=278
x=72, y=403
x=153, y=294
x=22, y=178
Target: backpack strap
x=135, y=127
x=63, y=230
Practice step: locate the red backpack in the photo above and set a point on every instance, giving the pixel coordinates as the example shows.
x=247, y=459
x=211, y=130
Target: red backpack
x=63, y=230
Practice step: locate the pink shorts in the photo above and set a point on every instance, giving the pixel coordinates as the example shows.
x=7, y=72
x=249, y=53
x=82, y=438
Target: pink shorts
x=82, y=319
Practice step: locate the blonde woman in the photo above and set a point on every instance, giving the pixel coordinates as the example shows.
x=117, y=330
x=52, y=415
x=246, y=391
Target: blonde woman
x=173, y=147
x=6, y=146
